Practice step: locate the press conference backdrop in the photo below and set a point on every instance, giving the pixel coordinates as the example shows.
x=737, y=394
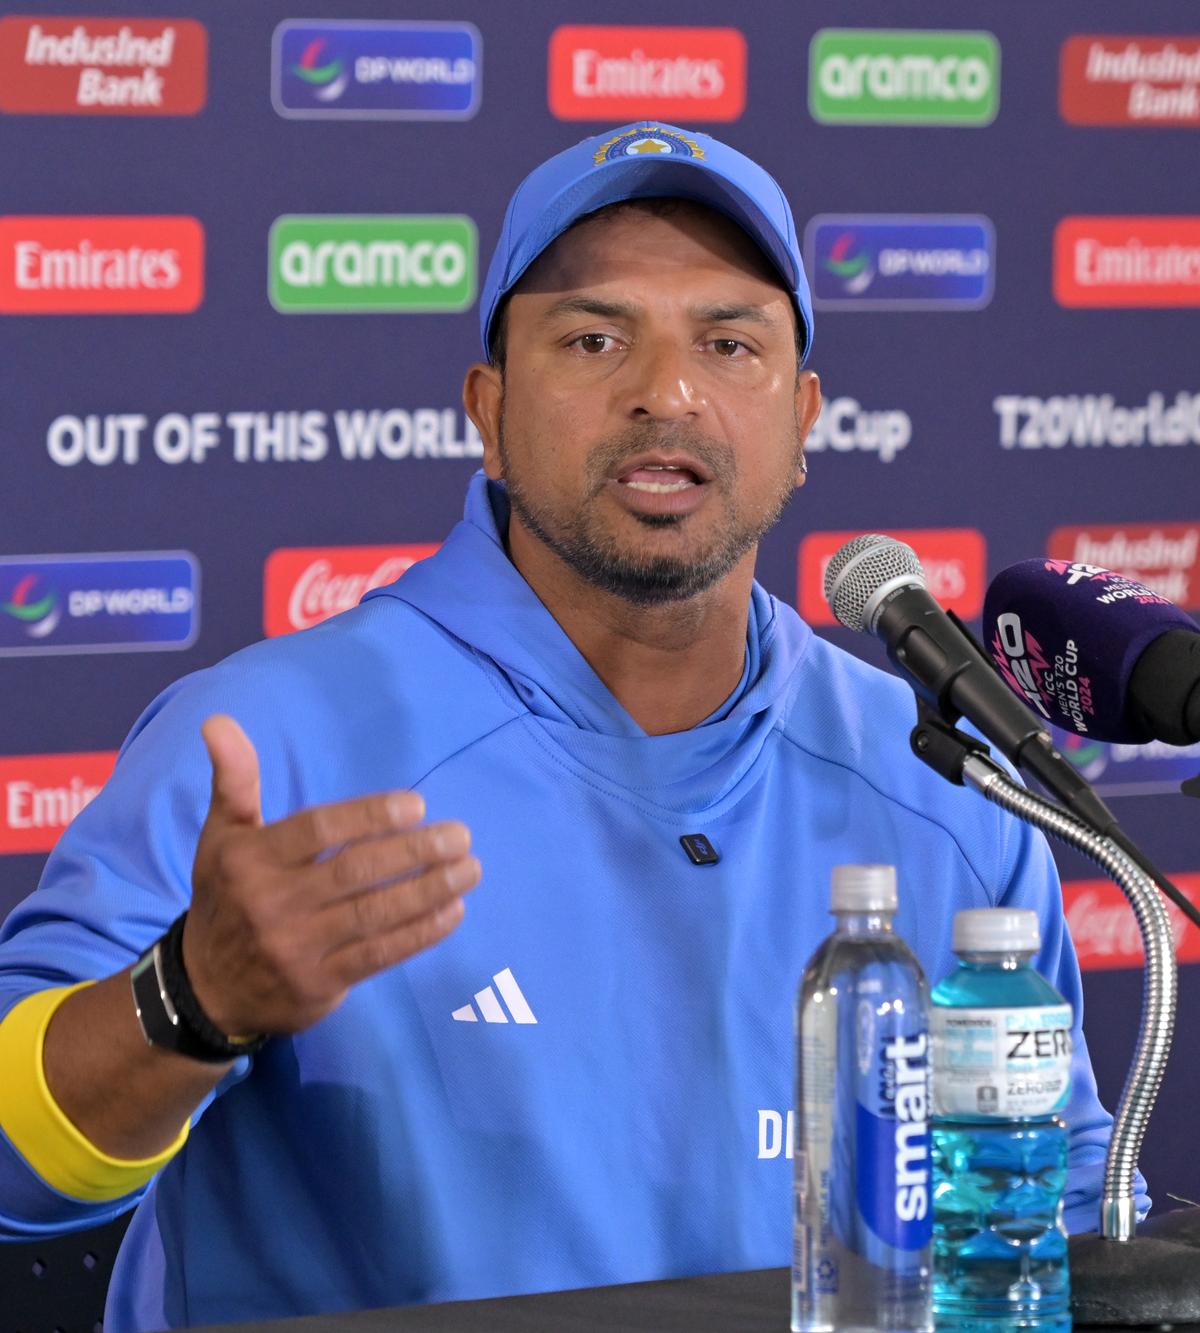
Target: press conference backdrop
x=240, y=249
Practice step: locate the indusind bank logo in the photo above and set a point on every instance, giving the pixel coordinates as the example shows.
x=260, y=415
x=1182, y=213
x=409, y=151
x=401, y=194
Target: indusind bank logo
x=386, y=70
x=876, y=76
x=325, y=263
x=84, y=66
x=100, y=265
x=1127, y=80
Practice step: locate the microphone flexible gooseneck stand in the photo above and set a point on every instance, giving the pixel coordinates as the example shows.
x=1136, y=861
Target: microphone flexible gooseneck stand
x=1160, y=989
x=1121, y=1276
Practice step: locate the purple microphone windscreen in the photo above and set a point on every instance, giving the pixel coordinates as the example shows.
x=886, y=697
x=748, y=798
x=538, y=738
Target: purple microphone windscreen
x=1067, y=636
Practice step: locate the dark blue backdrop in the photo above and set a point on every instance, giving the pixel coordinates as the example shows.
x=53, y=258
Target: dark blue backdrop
x=238, y=165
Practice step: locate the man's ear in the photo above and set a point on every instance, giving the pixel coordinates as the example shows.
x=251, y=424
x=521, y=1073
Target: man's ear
x=808, y=407
x=483, y=398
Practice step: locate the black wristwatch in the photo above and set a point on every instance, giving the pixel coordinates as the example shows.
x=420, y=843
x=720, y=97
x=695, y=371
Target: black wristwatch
x=170, y=1014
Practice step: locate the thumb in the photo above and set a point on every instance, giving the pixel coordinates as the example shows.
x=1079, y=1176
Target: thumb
x=236, y=795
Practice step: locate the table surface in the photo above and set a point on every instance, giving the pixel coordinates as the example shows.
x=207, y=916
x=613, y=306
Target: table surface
x=755, y=1302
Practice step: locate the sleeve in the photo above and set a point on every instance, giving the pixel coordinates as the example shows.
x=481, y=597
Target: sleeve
x=1034, y=883
x=121, y=873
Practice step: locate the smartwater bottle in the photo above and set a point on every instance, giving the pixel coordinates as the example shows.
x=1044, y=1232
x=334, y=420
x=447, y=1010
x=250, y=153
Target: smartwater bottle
x=863, y=1192
x=1001, y=1069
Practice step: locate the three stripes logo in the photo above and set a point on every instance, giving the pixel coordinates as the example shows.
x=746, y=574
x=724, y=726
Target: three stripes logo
x=490, y=1005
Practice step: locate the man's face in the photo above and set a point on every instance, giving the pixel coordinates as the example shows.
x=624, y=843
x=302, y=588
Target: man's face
x=652, y=420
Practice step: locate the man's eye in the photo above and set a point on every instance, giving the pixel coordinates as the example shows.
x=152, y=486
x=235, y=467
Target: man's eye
x=727, y=347
x=593, y=342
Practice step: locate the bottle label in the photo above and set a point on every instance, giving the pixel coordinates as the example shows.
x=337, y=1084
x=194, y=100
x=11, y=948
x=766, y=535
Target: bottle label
x=1007, y=1063
x=892, y=1124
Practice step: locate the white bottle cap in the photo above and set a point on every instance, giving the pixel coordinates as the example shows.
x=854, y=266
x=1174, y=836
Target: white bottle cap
x=863, y=889
x=996, y=930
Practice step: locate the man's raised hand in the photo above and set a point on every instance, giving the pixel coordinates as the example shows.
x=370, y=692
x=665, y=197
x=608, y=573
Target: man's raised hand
x=286, y=917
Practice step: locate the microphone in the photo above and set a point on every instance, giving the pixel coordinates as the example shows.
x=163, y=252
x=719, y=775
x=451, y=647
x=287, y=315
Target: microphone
x=875, y=585
x=1095, y=652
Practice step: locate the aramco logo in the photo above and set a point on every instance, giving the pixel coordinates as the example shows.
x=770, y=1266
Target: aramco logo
x=328, y=80
x=854, y=269
x=38, y=615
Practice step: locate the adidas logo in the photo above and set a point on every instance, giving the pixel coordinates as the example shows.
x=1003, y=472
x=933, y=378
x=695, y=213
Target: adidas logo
x=490, y=1006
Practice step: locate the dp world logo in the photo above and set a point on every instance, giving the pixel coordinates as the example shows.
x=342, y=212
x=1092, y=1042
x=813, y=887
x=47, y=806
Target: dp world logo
x=390, y=69
x=105, y=603
x=850, y=264
x=326, y=77
x=34, y=606
x=1129, y=770
x=877, y=261
x=1088, y=757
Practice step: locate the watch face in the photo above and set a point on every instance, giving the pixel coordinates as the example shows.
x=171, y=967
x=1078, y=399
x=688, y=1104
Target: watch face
x=159, y=1024
x=155, y=978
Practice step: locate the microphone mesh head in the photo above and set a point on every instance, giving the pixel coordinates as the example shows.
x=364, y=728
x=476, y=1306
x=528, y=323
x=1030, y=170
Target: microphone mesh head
x=858, y=571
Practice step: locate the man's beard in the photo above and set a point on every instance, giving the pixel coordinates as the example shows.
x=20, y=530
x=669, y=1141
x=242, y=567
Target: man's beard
x=579, y=541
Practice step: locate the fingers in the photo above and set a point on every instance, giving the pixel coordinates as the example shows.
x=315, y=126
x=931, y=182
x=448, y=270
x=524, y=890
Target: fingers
x=375, y=953
x=378, y=911
x=236, y=797
x=304, y=836
x=370, y=862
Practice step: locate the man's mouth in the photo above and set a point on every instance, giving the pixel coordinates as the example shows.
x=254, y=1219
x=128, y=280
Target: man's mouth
x=659, y=479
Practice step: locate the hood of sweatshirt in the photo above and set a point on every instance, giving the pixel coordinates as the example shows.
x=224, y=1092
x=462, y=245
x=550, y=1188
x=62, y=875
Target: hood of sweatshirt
x=472, y=590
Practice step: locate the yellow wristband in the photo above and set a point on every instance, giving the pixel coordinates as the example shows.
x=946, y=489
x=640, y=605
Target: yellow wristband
x=37, y=1126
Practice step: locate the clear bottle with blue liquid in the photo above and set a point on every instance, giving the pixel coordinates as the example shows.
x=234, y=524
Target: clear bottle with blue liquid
x=1001, y=1072
x=863, y=1182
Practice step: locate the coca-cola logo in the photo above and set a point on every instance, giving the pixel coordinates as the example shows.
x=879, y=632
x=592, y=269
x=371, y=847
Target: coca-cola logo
x=1105, y=931
x=302, y=586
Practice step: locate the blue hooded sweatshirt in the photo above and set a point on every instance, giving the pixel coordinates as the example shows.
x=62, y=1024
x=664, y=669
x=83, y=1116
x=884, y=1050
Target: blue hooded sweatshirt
x=588, y=1081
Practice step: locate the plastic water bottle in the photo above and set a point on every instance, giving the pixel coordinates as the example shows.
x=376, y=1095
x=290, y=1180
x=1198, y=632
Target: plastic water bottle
x=863, y=1185
x=1002, y=1068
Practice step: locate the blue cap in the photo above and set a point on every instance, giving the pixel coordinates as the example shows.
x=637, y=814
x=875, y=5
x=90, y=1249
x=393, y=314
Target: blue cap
x=642, y=161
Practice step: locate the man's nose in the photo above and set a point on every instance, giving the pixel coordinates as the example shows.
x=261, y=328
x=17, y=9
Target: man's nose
x=662, y=383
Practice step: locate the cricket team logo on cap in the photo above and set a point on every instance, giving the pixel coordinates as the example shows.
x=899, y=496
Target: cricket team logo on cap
x=647, y=141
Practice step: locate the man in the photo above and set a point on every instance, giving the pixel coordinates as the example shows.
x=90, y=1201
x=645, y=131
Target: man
x=581, y=1081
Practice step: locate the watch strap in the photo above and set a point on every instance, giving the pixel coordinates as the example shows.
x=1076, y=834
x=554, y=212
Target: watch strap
x=170, y=1015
